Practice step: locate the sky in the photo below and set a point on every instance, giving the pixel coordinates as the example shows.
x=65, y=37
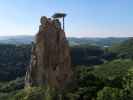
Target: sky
x=85, y=18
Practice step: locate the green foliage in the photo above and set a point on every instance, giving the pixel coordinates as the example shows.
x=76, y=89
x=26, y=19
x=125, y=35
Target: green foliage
x=109, y=93
x=128, y=85
x=96, y=41
x=125, y=93
x=6, y=96
x=104, y=81
x=30, y=94
x=13, y=61
x=124, y=49
x=10, y=86
x=86, y=55
x=36, y=93
x=87, y=84
x=110, y=80
x=113, y=69
x=112, y=73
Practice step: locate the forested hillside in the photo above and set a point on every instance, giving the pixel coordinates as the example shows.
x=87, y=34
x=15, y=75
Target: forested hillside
x=99, y=73
x=102, y=42
x=13, y=61
x=124, y=49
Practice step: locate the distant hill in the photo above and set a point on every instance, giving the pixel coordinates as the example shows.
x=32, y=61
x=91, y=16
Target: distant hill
x=124, y=49
x=16, y=39
x=103, y=42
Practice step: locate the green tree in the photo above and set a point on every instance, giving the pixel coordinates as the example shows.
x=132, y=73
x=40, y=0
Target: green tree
x=109, y=93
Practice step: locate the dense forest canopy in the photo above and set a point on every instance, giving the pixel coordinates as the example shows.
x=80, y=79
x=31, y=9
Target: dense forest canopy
x=124, y=49
x=100, y=73
x=14, y=59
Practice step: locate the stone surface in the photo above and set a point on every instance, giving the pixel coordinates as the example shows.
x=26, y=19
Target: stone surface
x=50, y=60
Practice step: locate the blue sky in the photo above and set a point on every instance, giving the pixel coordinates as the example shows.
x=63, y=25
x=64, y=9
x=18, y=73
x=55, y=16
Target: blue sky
x=86, y=18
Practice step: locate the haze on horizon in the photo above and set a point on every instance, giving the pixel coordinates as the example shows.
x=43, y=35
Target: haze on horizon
x=86, y=18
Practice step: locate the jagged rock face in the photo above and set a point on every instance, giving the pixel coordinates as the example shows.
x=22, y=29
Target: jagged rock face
x=50, y=60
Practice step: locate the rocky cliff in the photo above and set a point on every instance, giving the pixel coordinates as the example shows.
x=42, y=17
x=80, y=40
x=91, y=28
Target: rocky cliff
x=50, y=60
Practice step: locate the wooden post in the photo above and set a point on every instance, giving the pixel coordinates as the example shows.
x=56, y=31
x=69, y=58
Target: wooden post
x=60, y=15
x=63, y=24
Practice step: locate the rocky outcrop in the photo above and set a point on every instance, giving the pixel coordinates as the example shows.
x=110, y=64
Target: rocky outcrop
x=50, y=60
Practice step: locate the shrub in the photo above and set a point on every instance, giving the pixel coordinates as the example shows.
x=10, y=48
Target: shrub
x=109, y=93
x=35, y=93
